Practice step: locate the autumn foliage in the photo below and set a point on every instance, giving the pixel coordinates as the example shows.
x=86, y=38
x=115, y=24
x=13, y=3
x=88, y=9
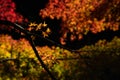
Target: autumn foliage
x=78, y=18
x=8, y=13
x=82, y=16
x=101, y=58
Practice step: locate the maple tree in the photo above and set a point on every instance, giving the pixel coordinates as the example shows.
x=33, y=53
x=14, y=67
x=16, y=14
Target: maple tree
x=7, y=10
x=8, y=13
x=79, y=17
x=82, y=16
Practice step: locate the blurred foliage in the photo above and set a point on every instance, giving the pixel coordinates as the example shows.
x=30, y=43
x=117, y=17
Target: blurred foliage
x=41, y=27
x=7, y=10
x=8, y=13
x=82, y=16
x=99, y=61
x=93, y=62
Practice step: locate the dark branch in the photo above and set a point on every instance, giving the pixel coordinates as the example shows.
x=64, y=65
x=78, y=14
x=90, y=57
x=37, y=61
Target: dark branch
x=39, y=58
x=28, y=34
x=7, y=59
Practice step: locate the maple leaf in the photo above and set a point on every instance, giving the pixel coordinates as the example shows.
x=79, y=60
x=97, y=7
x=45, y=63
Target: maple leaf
x=48, y=30
x=32, y=24
x=44, y=24
x=39, y=26
x=44, y=34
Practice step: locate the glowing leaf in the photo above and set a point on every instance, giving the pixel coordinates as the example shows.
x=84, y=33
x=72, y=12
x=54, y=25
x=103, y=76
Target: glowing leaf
x=39, y=26
x=51, y=16
x=32, y=24
x=44, y=24
x=48, y=30
x=44, y=34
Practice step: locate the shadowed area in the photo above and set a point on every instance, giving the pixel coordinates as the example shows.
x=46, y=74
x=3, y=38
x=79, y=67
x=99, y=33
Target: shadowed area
x=30, y=8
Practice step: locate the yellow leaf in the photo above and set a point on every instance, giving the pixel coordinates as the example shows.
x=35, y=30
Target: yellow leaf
x=44, y=34
x=7, y=54
x=32, y=24
x=39, y=26
x=44, y=24
x=48, y=30
x=3, y=46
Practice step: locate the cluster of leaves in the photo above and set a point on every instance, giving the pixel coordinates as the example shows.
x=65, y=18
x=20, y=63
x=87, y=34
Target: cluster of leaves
x=102, y=47
x=7, y=12
x=18, y=58
x=82, y=16
x=85, y=64
x=41, y=27
x=21, y=63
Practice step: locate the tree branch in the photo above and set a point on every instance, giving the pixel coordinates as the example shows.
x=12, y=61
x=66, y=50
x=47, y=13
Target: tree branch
x=39, y=58
x=7, y=59
x=28, y=35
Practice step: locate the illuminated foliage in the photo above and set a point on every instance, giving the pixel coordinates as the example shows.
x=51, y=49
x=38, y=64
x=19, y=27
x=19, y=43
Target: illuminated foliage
x=26, y=62
x=42, y=27
x=94, y=59
x=82, y=16
x=78, y=18
x=7, y=12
